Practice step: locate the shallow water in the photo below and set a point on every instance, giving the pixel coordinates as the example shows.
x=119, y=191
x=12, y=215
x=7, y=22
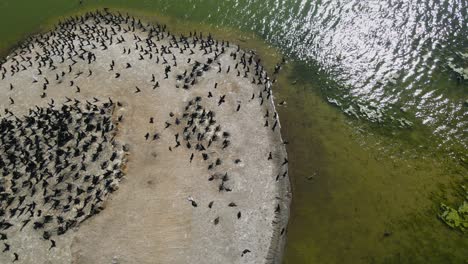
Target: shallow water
x=356, y=174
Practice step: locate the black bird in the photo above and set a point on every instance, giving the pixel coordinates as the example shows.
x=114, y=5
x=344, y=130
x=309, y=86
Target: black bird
x=137, y=89
x=117, y=75
x=194, y=204
x=7, y=247
x=274, y=125
x=270, y=156
x=16, y=257
x=216, y=221
x=284, y=162
x=210, y=204
x=245, y=252
x=239, y=215
x=221, y=100
x=278, y=209
x=25, y=222
x=147, y=136
x=238, y=108
x=12, y=101
x=52, y=244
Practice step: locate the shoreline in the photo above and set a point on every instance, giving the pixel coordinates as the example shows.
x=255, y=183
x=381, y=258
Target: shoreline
x=136, y=110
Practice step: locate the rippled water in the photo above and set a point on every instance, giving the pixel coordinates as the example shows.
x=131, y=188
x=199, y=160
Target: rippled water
x=391, y=59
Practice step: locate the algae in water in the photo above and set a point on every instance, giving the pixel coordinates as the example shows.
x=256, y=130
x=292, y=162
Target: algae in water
x=456, y=218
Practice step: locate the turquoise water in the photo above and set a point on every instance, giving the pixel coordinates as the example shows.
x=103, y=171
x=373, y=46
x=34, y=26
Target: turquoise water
x=376, y=116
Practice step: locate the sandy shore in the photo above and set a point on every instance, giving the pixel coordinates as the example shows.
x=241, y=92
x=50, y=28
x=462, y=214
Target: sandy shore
x=150, y=218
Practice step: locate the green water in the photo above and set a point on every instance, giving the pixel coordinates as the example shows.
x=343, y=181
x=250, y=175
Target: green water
x=354, y=179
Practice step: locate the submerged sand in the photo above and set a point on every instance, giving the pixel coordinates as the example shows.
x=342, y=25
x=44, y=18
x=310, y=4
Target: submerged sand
x=150, y=219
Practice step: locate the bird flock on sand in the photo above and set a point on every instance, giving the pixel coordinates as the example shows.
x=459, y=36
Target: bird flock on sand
x=58, y=165
x=61, y=161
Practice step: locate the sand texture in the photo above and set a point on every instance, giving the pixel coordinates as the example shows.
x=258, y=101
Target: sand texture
x=198, y=138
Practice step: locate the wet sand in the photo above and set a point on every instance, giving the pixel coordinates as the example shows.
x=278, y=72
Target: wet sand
x=150, y=219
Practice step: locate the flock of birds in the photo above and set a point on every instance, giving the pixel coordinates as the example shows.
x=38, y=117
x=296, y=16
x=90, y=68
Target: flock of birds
x=60, y=163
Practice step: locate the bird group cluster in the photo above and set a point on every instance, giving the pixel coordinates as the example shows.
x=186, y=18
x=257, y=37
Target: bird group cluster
x=58, y=166
x=203, y=135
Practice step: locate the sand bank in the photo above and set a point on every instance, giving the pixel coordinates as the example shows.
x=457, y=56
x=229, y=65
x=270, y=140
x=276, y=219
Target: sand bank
x=173, y=93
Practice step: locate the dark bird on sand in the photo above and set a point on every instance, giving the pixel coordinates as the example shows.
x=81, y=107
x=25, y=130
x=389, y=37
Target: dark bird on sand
x=245, y=252
x=155, y=136
x=7, y=247
x=52, y=244
x=278, y=209
x=221, y=100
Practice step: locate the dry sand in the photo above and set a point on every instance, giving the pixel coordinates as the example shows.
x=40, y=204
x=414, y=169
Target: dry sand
x=149, y=219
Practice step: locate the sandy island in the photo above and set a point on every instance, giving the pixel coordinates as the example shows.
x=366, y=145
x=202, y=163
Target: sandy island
x=206, y=169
